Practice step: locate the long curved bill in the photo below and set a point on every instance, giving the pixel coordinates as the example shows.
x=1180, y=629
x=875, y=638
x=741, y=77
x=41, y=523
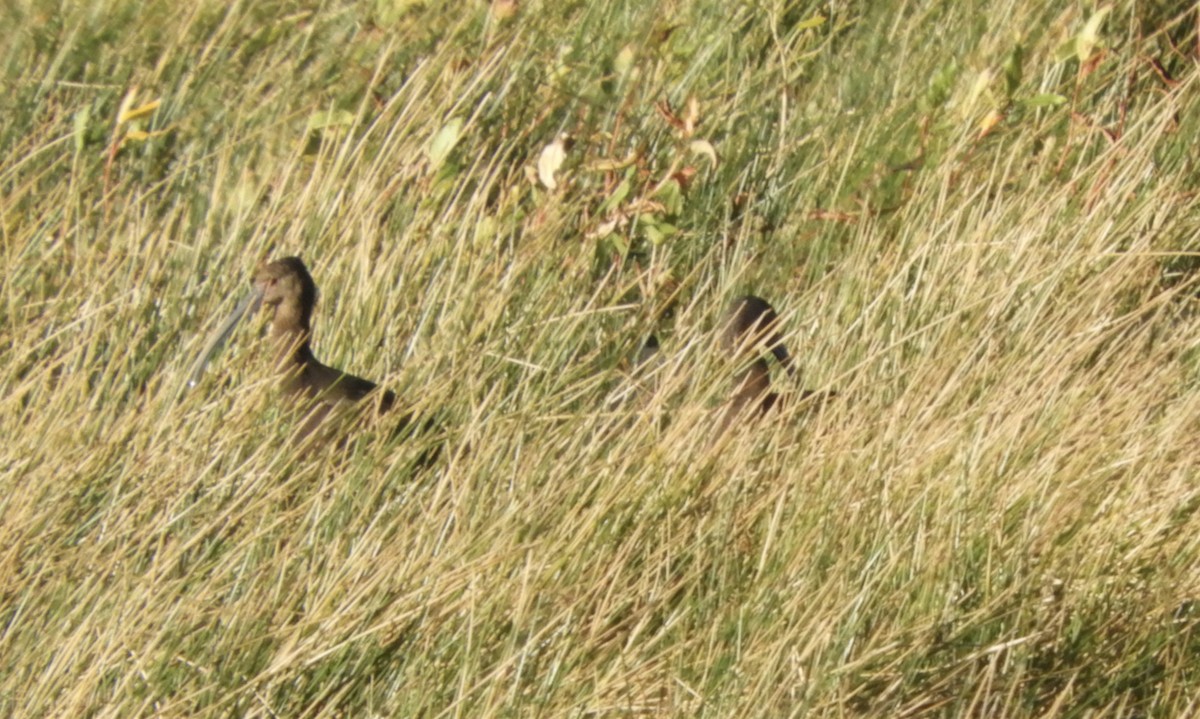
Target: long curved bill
x=250, y=303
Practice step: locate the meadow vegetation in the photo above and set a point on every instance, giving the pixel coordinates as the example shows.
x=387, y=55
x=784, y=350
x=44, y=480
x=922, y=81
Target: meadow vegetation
x=978, y=220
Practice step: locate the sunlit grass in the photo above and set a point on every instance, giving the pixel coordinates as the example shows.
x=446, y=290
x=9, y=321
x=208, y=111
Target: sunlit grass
x=980, y=234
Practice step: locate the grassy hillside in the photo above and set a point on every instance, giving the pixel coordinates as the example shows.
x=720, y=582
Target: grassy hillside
x=978, y=220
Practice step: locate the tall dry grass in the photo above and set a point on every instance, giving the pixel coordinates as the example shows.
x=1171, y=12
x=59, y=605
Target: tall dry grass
x=981, y=234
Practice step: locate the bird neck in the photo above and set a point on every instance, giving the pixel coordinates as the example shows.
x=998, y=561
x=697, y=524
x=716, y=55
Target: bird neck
x=753, y=382
x=291, y=333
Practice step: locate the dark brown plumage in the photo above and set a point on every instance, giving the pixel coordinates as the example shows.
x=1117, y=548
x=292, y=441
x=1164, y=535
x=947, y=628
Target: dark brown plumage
x=289, y=296
x=749, y=327
x=751, y=322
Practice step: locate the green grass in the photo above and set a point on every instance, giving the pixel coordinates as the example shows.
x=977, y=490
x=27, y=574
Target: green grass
x=978, y=220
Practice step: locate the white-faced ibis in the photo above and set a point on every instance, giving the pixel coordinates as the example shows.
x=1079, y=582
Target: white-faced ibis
x=289, y=294
x=749, y=327
x=647, y=353
x=286, y=291
x=751, y=322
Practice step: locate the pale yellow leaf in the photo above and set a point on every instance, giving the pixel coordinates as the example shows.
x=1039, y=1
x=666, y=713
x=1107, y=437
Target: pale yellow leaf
x=691, y=116
x=504, y=9
x=443, y=142
x=624, y=62
x=604, y=229
x=126, y=103
x=611, y=165
x=704, y=147
x=1089, y=37
x=989, y=122
x=550, y=161
x=326, y=119
x=142, y=135
x=128, y=114
x=812, y=22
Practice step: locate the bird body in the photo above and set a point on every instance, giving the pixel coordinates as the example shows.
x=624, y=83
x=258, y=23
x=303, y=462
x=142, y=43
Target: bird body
x=289, y=294
x=749, y=327
x=751, y=322
x=752, y=397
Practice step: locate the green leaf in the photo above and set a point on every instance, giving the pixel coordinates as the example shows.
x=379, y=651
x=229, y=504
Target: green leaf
x=326, y=119
x=671, y=195
x=616, y=198
x=1012, y=69
x=813, y=22
x=486, y=229
x=1045, y=99
x=1082, y=45
x=941, y=84
x=1065, y=51
x=444, y=141
x=80, y=127
x=445, y=177
x=656, y=231
x=390, y=12
x=619, y=242
x=1089, y=37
